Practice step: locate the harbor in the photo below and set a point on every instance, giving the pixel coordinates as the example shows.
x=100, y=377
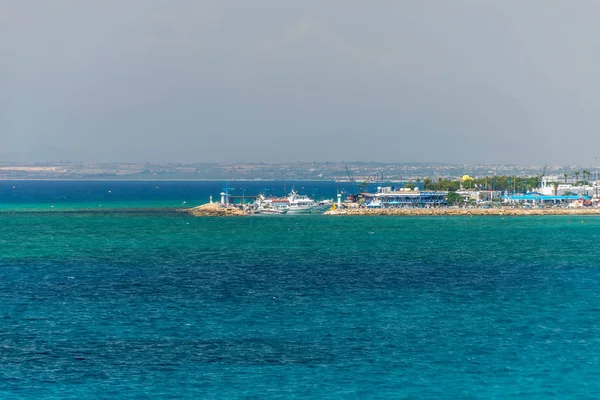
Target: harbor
x=217, y=210
x=549, y=198
x=293, y=203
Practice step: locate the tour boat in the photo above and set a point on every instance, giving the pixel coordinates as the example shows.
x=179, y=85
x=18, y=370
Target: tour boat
x=302, y=204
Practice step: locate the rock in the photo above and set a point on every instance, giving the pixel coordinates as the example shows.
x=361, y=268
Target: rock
x=215, y=210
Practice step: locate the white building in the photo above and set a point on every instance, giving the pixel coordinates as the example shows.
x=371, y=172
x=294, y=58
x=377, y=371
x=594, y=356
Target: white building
x=556, y=186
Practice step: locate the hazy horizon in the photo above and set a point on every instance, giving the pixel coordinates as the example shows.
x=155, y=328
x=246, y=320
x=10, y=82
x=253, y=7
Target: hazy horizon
x=462, y=82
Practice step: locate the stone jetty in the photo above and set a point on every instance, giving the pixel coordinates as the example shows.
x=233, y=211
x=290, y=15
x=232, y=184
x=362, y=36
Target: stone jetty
x=215, y=210
x=503, y=211
x=219, y=210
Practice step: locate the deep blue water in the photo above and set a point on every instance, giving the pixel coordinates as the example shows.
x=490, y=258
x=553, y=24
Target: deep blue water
x=157, y=304
x=43, y=195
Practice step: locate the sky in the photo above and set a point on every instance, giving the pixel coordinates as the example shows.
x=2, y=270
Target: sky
x=461, y=81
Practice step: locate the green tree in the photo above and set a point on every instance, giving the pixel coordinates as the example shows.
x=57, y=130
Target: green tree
x=586, y=176
x=468, y=183
x=427, y=184
x=455, y=199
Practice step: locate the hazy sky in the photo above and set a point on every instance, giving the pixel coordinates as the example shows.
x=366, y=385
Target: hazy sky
x=271, y=80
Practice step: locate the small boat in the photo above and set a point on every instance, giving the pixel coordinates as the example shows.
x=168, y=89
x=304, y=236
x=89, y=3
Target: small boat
x=270, y=211
x=270, y=206
x=374, y=204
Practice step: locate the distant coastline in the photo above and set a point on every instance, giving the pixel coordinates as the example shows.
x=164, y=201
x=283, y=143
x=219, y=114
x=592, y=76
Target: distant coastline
x=128, y=179
x=301, y=171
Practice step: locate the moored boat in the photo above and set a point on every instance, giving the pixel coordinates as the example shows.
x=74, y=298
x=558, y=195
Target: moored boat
x=294, y=203
x=302, y=204
x=270, y=206
x=270, y=211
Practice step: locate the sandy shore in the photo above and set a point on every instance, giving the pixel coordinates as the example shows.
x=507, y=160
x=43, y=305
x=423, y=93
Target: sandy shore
x=465, y=211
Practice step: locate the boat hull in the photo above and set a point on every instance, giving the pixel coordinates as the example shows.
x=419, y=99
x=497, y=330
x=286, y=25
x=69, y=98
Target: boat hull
x=300, y=210
x=308, y=210
x=271, y=211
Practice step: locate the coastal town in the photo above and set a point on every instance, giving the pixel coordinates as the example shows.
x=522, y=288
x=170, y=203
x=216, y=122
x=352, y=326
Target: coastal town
x=377, y=188
x=322, y=171
x=543, y=195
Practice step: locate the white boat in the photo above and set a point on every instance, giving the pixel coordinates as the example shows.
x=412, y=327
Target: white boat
x=270, y=211
x=302, y=204
x=270, y=206
x=374, y=204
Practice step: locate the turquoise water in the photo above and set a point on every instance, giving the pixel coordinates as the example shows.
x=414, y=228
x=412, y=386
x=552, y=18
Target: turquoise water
x=118, y=195
x=156, y=304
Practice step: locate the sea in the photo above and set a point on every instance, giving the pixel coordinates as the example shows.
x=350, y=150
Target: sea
x=108, y=292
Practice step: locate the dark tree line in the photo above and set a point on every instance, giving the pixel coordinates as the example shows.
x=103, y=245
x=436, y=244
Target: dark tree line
x=503, y=183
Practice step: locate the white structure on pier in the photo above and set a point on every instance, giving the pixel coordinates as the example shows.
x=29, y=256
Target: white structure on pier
x=556, y=186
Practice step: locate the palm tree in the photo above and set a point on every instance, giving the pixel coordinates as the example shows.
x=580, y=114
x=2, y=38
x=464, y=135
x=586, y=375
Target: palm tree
x=427, y=184
x=565, y=175
x=555, y=186
x=576, y=176
x=586, y=173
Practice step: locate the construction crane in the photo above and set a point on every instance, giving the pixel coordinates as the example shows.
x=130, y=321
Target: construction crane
x=348, y=173
x=351, y=179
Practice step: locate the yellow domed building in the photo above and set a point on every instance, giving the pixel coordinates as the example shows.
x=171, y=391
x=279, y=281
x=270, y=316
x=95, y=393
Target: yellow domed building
x=466, y=181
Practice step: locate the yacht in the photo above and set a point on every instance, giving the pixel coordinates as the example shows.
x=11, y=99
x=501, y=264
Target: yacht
x=271, y=206
x=302, y=204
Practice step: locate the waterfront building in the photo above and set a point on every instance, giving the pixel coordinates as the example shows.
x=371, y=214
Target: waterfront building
x=479, y=195
x=539, y=199
x=558, y=186
x=389, y=197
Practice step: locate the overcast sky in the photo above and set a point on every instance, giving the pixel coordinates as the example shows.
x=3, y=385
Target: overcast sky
x=461, y=81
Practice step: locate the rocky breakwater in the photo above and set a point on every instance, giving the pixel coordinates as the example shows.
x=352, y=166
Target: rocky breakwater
x=465, y=211
x=215, y=210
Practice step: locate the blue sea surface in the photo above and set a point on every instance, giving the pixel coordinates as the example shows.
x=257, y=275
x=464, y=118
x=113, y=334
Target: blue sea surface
x=121, y=194
x=157, y=304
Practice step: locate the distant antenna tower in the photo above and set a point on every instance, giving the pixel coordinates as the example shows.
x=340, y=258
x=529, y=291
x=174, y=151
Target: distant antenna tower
x=543, y=175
